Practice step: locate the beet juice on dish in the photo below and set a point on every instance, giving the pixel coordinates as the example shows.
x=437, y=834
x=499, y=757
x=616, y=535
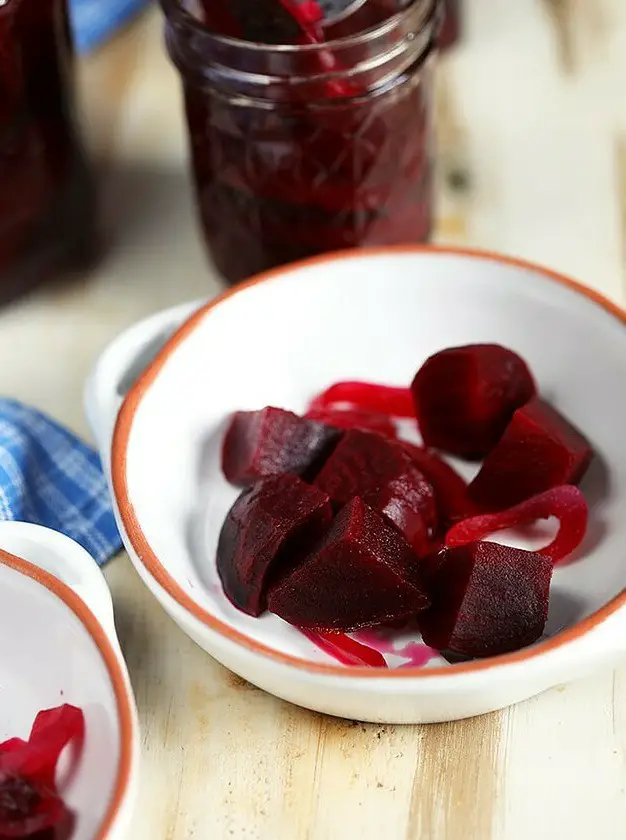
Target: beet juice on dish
x=310, y=124
x=47, y=195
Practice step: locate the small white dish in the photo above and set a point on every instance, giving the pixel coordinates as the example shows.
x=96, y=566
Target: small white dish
x=285, y=336
x=58, y=645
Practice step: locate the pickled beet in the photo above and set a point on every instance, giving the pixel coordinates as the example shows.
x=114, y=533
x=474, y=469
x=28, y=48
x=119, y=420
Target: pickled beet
x=450, y=488
x=306, y=13
x=566, y=503
x=259, y=444
x=366, y=396
x=51, y=732
x=381, y=472
x=276, y=22
x=465, y=397
x=353, y=419
x=539, y=450
x=269, y=526
x=32, y=811
x=363, y=574
x=487, y=599
x=407, y=544
x=291, y=21
x=346, y=650
x=30, y=806
x=262, y=21
x=362, y=405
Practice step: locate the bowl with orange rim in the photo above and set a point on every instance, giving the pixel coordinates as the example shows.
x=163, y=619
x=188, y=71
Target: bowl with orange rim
x=160, y=398
x=65, y=692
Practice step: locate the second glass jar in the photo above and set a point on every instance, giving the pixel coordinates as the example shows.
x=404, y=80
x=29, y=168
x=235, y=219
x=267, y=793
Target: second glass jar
x=48, y=214
x=301, y=150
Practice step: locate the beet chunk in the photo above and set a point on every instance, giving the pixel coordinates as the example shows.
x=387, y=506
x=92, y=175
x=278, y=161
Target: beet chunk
x=262, y=21
x=465, y=397
x=270, y=525
x=487, y=599
x=259, y=444
x=566, y=503
x=30, y=804
x=450, y=488
x=368, y=397
x=539, y=450
x=382, y=473
x=354, y=419
x=363, y=574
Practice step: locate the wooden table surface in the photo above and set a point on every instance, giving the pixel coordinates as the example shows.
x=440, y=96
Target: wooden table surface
x=532, y=112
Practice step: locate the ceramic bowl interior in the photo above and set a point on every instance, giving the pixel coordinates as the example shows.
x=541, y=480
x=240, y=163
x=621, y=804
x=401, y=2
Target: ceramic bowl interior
x=375, y=317
x=48, y=657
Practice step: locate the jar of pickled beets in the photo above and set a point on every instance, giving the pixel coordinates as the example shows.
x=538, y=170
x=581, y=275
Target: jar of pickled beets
x=47, y=200
x=310, y=124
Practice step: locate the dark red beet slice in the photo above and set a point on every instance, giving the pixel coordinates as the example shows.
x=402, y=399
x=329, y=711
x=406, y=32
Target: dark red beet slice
x=453, y=502
x=363, y=574
x=265, y=21
x=259, y=444
x=566, y=503
x=539, y=450
x=30, y=806
x=346, y=650
x=306, y=12
x=262, y=21
x=277, y=22
x=354, y=419
x=31, y=810
x=368, y=397
x=465, y=397
x=217, y=18
x=51, y=732
x=381, y=472
x=487, y=599
x=270, y=525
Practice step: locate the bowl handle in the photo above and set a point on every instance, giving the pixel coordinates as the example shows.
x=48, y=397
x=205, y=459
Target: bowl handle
x=119, y=367
x=66, y=560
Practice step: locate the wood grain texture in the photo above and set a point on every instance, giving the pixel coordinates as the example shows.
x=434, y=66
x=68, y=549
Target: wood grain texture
x=454, y=174
x=107, y=76
x=620, y=183
x=560, y=13
x=457, y=781
x=575, y=729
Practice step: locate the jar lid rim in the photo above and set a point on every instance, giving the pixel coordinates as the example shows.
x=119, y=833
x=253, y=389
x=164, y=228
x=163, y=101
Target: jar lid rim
x=174, y=10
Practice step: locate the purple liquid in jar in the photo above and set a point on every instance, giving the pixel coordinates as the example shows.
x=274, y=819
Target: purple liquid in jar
x=318, y=146
x=47, y=197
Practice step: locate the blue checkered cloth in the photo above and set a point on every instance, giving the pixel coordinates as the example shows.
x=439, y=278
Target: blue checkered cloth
x=50, y=477
x=95, y=21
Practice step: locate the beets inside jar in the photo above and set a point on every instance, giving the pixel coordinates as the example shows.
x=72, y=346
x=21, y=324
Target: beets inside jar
x=309, y=124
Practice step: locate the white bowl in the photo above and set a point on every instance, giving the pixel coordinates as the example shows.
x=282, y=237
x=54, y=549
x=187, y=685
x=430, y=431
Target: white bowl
x=58, y=645
x=364, y=315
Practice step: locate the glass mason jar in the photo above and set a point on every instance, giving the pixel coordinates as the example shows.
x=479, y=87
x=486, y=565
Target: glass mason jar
x=302, y=149
x=47, y=201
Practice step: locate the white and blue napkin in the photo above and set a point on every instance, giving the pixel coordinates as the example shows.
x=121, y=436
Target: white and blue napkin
x=48, y=476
